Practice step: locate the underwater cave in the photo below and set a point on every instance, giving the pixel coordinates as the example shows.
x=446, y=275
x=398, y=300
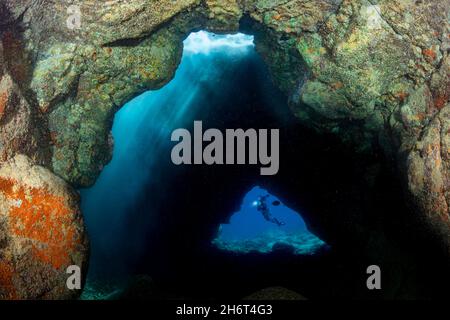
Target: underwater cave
x=263, y=224
x=350, y=98
x=160, y=230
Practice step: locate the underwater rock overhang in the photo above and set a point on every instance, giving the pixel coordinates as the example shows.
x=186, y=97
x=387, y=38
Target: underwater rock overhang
x=374, y=74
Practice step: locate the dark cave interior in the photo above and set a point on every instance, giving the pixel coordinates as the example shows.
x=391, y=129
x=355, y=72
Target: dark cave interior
x=351, y=200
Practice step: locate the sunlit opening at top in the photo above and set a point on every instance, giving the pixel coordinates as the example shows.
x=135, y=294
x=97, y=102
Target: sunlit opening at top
x=204, y=42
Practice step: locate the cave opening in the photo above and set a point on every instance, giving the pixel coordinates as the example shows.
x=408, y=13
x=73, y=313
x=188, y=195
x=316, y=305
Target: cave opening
x=152, y=223
x=264, y=224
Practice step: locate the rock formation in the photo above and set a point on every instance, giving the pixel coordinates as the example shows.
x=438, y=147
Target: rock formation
x=41, y=232
x=372, y=72
x=275, y=293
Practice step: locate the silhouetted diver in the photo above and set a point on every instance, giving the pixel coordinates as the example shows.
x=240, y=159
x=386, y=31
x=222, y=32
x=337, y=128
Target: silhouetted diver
x=261, y=206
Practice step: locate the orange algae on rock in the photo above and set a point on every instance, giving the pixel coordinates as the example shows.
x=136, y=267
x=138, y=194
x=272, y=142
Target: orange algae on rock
x=430, y=54
x=440, y=101
x=402, y=95
x=41, y=232
x=43, y=218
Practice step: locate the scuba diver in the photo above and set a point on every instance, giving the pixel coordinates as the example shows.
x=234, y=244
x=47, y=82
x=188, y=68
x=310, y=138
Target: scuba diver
x=261, y=206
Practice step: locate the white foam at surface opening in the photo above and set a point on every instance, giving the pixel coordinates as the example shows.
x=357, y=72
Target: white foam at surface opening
x=205, y=42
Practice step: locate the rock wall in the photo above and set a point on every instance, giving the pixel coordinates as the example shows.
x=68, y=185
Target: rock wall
x=41, y=232
x=372, y=72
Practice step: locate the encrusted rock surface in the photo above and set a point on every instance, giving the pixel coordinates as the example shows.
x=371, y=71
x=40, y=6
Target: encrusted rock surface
x=21, y=128
x=372, y=72
x=275, y=293
x=41, y=232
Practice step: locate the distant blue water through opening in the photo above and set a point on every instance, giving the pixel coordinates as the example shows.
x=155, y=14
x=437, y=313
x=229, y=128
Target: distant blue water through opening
x=248, y=230
x=116, y=224
x=141, y=134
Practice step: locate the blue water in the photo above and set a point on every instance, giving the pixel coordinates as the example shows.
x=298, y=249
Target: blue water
x=249, y=231
x=210, y=69
x=141, y=132
x=249, y=222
